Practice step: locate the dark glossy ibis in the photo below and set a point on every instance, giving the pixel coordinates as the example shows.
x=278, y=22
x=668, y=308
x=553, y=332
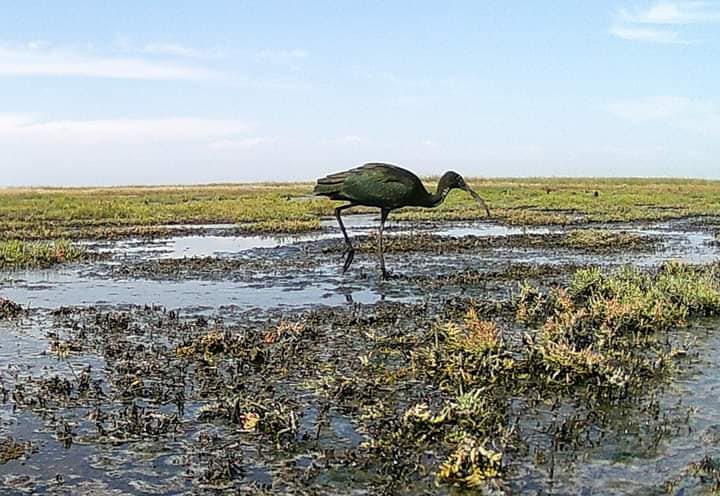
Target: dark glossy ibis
x=387, y=187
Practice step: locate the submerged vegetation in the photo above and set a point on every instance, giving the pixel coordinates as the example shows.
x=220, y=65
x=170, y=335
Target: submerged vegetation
x=429, y=400
x=130, y=211
x=9, y=309
x=493, y=376
x=12, y=450
x=38, y=254
x=586, y=240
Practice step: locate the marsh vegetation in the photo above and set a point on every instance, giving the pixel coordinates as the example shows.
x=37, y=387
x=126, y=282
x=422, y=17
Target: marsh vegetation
x=166, y=355
x=97, y=213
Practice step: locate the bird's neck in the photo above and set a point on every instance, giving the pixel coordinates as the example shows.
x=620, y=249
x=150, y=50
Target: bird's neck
x=433, y=200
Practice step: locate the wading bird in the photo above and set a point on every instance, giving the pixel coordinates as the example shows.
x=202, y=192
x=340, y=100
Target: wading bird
x=386, y=187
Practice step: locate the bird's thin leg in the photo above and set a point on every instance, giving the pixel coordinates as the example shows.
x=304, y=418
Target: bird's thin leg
x=348, y=245
x=381, y=252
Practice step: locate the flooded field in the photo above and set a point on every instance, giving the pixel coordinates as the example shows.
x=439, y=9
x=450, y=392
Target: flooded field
x=216, y=363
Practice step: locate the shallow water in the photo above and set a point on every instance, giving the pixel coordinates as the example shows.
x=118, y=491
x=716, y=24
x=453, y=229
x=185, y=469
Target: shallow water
x=292, y=276
x=271, y=276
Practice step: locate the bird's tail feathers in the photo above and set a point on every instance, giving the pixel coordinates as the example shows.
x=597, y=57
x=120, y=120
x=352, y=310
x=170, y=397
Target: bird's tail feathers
x=330, y=184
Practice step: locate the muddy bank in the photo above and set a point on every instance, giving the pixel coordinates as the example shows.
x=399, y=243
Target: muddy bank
x=590, y=241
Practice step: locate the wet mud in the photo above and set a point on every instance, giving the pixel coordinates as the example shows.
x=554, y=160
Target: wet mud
x=205, y=362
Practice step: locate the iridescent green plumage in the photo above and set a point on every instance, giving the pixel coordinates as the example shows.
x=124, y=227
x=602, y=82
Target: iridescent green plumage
x=386, y=187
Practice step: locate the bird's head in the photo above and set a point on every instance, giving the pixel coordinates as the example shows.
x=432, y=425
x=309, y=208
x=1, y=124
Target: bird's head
x=453, y=180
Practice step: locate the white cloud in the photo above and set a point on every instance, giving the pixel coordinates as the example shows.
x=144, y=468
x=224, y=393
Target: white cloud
x=678, y=12
x=430, y=144
x=39, y=59
x=27, y=130
x=349, y=140
x=651, y=108
x=175, y=50
x=697, y=117
x=632, y=24
x=649, y=35
x=284, y=57
x=133, y=151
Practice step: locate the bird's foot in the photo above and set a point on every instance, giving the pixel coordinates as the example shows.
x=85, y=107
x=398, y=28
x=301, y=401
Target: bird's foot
x=348, y=259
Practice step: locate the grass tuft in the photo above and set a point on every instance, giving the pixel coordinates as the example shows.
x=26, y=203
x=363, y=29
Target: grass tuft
x=21, y=254
x=9, y=309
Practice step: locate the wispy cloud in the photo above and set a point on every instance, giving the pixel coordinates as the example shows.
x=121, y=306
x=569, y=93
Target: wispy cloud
x=28, y=129
x=700, y=117
x=288, y=58
x=349, y=140
x=678, y=12
x=176, y=50
x=293, y=54
x=650, y=35
x=650, y=108
x=39, y=59
x=651, y=23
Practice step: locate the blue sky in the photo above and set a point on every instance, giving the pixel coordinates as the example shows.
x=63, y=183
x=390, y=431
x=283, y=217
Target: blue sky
x=194, y=92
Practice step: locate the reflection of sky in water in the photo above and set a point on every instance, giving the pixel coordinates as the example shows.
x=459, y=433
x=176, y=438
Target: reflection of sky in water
x=321, y=284
x=53, y=289
x=210, y=245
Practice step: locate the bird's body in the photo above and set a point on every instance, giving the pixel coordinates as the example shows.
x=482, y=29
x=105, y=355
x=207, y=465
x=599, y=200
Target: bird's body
x=387, y=187
x=376, y=185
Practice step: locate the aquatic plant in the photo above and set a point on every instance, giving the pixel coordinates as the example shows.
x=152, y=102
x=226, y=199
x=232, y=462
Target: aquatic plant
x=12, y=450
x=708, y=471
x=605, y=239
x=17, y=254
x=470, y=464
x=598, y=240
x=463, y=354
x=606, y=327
x=9, y=309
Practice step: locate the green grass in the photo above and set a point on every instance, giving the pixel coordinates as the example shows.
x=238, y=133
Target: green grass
x=21, y=254
x=610, y=333
x=289, y=207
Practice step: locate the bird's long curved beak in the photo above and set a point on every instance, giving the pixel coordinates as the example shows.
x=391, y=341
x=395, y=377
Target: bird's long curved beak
x=477, y=198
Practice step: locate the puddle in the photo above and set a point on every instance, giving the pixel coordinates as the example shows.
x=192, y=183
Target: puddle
x=293, y=271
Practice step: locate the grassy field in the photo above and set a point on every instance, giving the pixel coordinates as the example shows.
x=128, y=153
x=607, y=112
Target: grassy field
x=50, y=213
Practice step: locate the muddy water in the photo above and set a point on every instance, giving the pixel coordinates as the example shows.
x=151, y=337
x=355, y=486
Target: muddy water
x=293, y=272
x=254, y=279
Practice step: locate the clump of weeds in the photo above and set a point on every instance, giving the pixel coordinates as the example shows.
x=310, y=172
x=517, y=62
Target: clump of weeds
x=471, y=464
x=37, y=254
x=465, y=354
x=607, y=329
x=607, y=240
x=708, y=471
x=9, y=309
x=12, y=450
x=592, y=240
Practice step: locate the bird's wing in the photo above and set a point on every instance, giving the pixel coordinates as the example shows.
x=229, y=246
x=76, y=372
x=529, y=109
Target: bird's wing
x=373, y=184
x=386, y=173
x=380, y=172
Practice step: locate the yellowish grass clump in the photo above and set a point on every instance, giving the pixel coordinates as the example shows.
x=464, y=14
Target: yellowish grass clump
x=20, y=254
